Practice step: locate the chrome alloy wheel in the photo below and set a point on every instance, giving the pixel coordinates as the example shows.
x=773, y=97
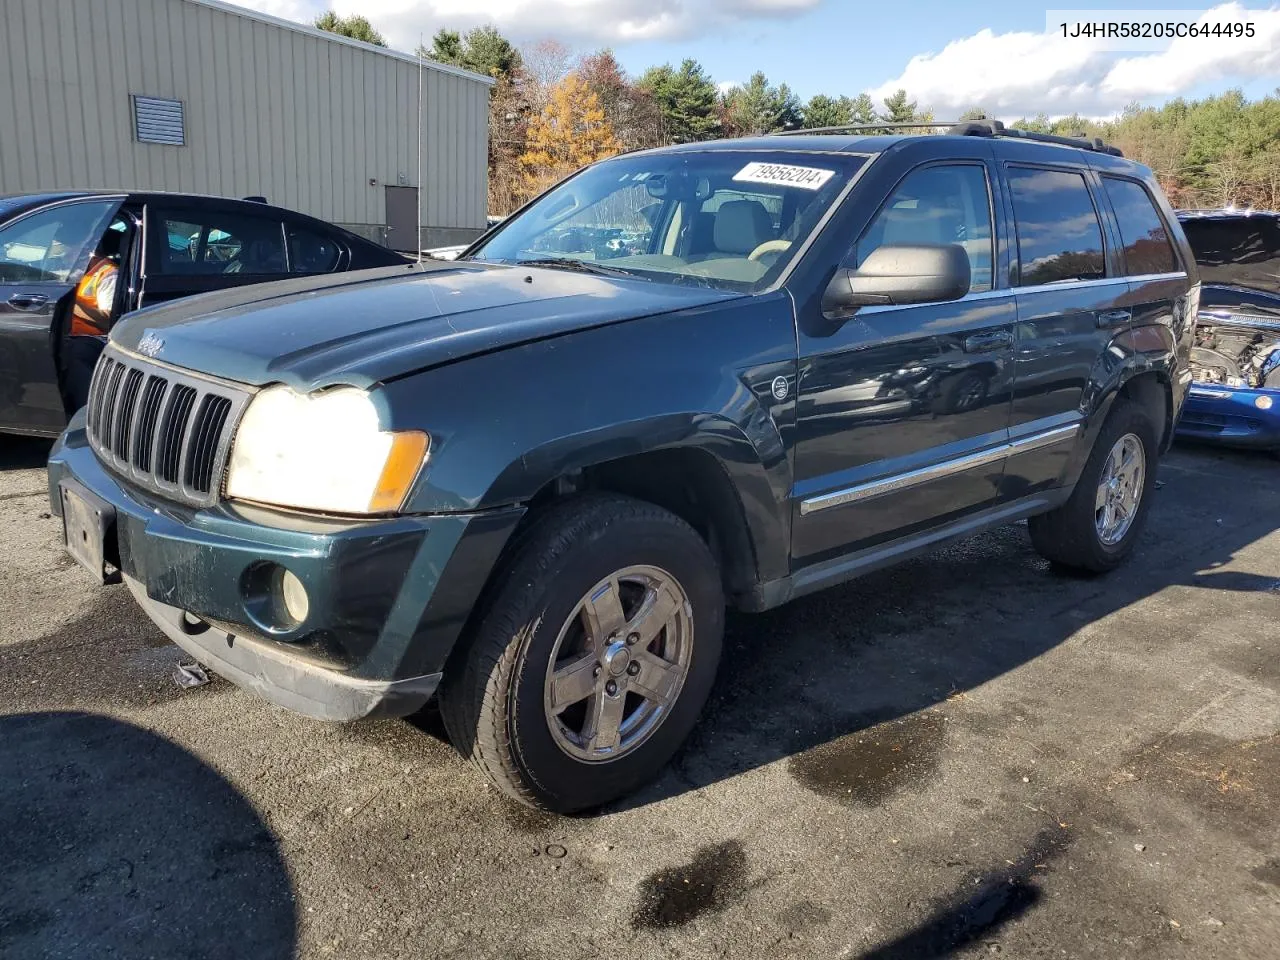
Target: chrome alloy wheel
x=1120, y=489
x=618, y=664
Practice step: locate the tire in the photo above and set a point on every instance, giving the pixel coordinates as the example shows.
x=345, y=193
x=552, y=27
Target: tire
x=1069, y=536
x=496, y=699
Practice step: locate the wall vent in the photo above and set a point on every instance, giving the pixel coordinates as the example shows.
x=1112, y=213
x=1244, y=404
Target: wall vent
x=158, y=120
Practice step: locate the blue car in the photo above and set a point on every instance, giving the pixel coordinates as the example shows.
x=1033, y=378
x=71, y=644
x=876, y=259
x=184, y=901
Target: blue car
x=1235, y=363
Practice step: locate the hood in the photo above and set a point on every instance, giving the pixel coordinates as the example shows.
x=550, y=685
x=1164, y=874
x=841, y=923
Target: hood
x=373, y=325
x=1240, y=303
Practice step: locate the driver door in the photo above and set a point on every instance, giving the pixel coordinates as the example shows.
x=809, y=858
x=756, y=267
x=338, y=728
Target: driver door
x=43, y=254
x=903, y=410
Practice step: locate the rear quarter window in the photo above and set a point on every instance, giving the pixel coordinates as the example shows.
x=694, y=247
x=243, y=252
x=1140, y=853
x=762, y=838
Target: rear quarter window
x=1146, y=241
x=1059, y=236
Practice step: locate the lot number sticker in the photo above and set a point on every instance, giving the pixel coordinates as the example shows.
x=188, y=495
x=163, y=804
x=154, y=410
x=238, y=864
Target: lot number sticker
x=807, y=178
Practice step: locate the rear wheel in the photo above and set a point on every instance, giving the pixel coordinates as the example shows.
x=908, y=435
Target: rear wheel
x=594, y=657
x=1095, y=530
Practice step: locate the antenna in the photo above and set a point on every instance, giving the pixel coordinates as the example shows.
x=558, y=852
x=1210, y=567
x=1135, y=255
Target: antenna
x=417, y=227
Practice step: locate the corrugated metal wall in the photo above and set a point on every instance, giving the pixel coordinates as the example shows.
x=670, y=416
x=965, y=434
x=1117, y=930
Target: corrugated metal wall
x=299, y=118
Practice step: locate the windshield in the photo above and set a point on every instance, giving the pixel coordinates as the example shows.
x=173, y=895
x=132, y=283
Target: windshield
x=1237, y=251
x=730, y=219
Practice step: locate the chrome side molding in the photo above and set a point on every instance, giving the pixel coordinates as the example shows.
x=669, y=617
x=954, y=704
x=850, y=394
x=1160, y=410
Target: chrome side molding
x=912, y=478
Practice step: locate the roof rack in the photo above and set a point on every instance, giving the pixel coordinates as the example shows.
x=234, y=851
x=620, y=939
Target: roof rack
x=965, y=128
x=994, y=128
x=863, y=128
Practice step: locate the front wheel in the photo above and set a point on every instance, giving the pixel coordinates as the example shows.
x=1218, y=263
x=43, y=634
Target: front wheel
x=593, y=657
x=1096, y=529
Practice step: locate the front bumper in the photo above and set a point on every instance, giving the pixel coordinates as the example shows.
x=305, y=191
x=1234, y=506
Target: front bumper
x=1231, y=416
x=388, y=597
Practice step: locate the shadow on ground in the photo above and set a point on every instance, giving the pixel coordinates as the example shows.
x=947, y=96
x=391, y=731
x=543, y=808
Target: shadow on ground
x=119, y=843
x=23, y=453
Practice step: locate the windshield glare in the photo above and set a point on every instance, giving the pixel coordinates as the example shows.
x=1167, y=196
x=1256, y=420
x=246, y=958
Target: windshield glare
x=730, y=219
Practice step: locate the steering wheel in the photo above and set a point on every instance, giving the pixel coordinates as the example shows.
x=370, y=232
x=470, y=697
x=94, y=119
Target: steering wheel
x=769, y=246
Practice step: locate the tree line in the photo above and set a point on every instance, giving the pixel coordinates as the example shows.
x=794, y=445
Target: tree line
x=551, y=112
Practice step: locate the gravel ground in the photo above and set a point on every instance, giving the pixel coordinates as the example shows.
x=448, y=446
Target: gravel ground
x=966, y=755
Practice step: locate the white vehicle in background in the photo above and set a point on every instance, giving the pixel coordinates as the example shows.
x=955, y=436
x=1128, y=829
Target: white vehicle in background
x=452, y=252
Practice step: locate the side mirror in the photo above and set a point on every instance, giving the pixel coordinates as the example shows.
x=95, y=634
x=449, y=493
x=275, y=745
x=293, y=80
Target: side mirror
x=897, y=275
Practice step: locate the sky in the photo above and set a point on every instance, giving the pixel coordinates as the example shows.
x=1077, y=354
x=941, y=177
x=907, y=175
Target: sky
x=948, y=55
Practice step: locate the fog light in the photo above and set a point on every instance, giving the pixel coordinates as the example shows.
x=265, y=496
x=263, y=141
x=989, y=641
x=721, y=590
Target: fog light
x=1262, y=403
x=294, y=594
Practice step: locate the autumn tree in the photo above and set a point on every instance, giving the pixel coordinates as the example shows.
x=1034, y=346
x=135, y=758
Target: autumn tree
x=569, y=133
x=546, y=63
x=355, y=26
x=631, y=111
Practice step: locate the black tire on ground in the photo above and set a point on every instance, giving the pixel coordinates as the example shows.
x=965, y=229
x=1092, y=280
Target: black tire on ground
x=492, y=694
x=1068, y=536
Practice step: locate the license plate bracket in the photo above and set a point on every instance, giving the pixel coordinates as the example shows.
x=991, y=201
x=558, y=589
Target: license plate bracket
x=89, y=531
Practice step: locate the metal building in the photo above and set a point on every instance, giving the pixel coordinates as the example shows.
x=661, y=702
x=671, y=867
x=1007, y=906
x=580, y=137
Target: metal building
x=200, y=96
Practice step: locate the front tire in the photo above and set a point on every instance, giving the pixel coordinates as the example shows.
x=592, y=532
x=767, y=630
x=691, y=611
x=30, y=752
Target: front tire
x=1096, y=529
x=593, y=657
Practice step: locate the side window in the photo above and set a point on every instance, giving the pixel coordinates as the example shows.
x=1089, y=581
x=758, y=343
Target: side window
x=1059, y=236
x=935, y=206
x=195, y=244
x=53, y=245
x=1146, y=242
x=311, y=251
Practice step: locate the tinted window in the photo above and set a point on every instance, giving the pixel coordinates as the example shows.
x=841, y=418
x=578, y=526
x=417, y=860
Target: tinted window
x=1059, y=237
x=1237, y=251
x=52, y=245
x=935, y=206
x=1146, y=242
x=311, y=251
x=217, y=243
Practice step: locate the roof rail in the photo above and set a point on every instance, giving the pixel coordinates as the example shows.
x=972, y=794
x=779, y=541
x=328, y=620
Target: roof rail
x=994, y=128
x=863, y=128
x=965, y=128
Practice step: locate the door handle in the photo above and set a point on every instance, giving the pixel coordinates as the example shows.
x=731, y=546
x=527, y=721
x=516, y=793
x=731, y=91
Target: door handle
x=1113, y=318
x=28, y=301
x=992, y=340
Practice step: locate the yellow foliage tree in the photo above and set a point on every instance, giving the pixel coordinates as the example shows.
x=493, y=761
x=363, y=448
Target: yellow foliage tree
x=570, y=133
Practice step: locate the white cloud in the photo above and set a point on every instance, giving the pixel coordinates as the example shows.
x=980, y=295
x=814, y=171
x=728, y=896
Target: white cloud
x=582, y=23
x=1022, y=74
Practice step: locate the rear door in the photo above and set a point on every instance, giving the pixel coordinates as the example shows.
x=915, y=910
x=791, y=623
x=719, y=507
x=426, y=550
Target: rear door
x=196, y=247
x=903, y=411
x=1072, y=301
x=43, y=254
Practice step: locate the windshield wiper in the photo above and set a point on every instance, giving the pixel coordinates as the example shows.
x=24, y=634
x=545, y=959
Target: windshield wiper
x=581, y=266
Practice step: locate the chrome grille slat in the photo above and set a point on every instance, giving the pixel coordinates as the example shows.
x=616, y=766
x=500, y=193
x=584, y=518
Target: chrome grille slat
x=129, y=388
x=164, y=429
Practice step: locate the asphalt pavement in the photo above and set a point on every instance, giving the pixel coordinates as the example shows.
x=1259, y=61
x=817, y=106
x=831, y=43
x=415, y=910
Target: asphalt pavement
x=967, y=755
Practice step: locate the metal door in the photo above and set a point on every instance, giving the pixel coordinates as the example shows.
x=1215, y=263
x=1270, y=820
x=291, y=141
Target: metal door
x=402, y=218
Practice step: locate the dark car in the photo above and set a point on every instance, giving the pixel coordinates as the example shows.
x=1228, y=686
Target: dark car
x=530, y=482
x=1235, y=393
x=71, y=264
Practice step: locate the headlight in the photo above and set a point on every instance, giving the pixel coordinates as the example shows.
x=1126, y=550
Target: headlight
x=322, y=451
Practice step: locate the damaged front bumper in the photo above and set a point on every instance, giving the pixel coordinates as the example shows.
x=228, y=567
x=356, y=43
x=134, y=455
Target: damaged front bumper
x=1234, y=416
x=386, y=598
x=1235, y=393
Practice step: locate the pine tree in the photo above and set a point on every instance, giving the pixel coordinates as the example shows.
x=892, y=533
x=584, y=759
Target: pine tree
x=355, y=26
x=687, y=98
